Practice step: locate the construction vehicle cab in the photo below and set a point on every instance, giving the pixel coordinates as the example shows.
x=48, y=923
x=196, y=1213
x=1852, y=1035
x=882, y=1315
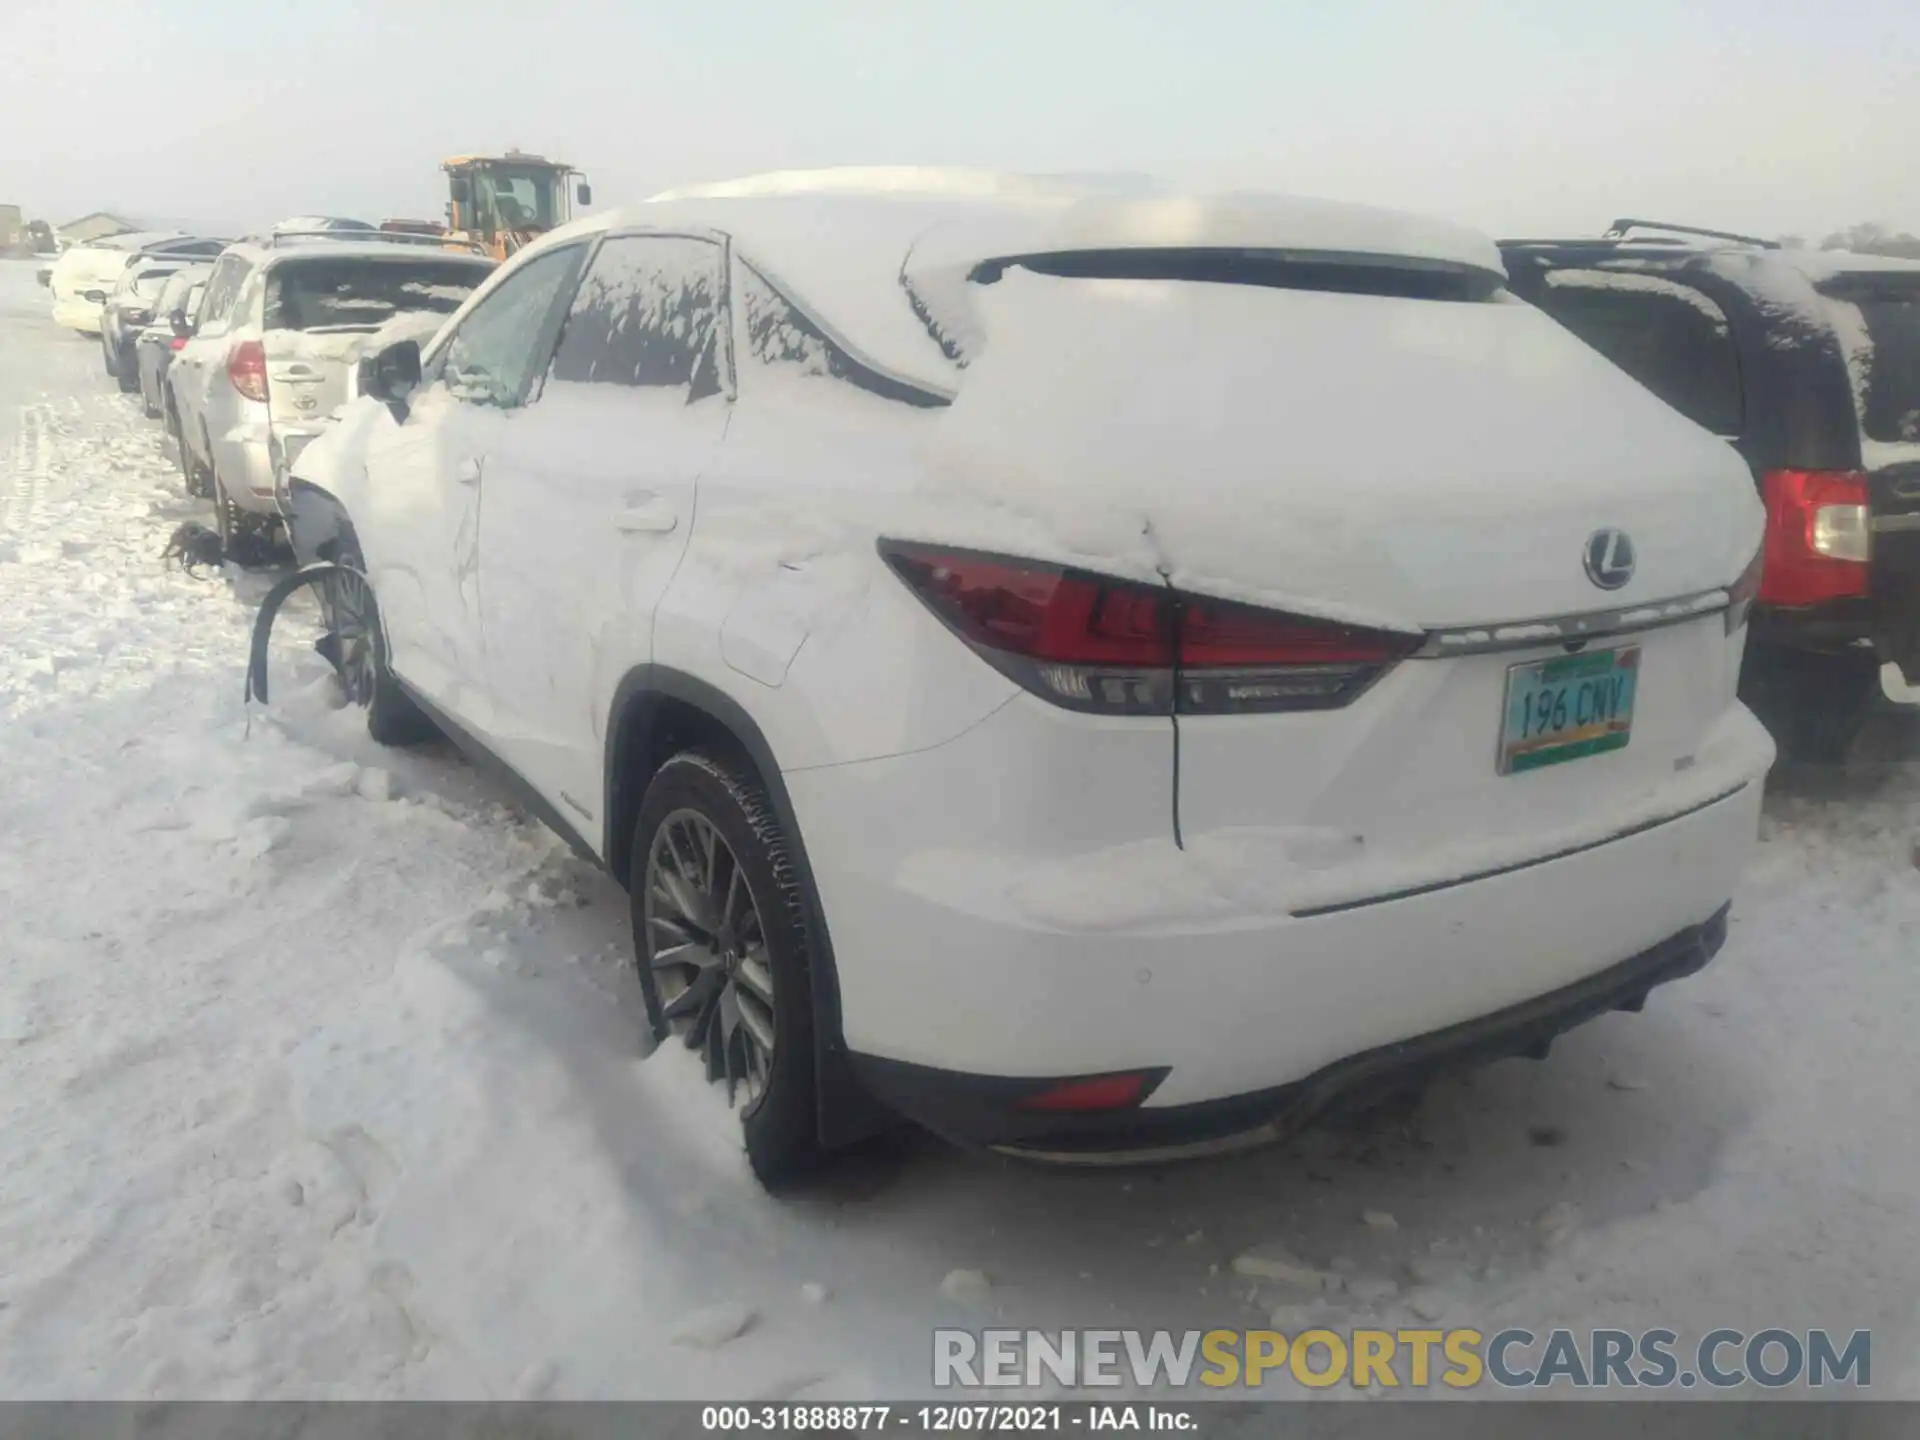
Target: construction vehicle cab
x=503, y=202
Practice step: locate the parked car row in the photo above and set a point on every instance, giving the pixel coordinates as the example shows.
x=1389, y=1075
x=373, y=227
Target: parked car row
x=246, y=349
x=84, y=276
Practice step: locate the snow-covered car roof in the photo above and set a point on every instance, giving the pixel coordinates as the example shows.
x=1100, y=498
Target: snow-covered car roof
x=868, y=248
x=1821, y=265
x=290, y=248
x=131, y=240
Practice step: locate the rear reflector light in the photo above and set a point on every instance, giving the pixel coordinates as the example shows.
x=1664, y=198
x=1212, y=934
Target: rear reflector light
x=247, y=369
x=1100, y=1092
x=1817, y=529
x=1092, y=642
x=1744, y=591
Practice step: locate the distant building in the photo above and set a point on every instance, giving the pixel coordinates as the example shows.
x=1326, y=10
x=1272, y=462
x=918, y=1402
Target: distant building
x=96, y=226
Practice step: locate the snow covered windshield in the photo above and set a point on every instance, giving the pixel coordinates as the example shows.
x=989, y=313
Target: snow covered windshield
x=1890, y=309
x=344, y=292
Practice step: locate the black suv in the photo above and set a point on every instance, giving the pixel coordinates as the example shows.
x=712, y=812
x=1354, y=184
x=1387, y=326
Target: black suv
x=1808, y=363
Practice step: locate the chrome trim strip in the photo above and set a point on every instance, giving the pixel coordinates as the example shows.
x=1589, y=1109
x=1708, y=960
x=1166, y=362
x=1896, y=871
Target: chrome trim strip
x=1561, y=629
x=1895, y=524
x=1265, y=1133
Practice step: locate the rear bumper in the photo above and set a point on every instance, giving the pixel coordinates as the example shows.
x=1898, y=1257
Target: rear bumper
x=244, y=456
x=73, y=313
x=962, y=946
x=984, y=1110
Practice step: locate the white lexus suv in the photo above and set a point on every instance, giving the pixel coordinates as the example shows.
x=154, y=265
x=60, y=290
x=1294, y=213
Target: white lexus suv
x=1103, y=676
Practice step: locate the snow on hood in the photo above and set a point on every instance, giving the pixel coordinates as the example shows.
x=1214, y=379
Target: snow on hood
x=1383, y=461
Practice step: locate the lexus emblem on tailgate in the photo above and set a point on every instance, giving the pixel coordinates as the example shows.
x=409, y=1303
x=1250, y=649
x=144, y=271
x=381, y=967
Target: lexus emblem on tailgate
x=1609, y=558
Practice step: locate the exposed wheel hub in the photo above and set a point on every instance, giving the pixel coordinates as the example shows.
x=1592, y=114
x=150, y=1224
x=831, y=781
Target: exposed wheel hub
x=707, y=953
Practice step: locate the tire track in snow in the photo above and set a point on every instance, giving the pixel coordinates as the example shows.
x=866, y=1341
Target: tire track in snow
x=26, y=473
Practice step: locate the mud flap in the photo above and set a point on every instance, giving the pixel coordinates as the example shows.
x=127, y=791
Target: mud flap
x=1895, y=495
x=263, y=623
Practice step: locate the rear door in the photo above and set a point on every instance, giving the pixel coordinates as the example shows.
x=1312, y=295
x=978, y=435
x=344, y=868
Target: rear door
x=586, y=506
x=1877, y=315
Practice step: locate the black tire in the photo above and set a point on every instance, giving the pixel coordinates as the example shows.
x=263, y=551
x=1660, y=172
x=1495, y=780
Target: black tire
x=226, y=519
x=107, y=358
x=781, y=1125
x=192, y=474
x=1814, y=704
x=359, y=654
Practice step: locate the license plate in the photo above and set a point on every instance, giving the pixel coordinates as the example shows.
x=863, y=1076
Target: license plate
x=1568, y=707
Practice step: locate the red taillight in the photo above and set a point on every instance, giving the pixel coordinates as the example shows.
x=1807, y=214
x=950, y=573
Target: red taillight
x=178, y=342
x=1099, y=1092
x=247, y=369
x=1091, y=642
x=1817, y=536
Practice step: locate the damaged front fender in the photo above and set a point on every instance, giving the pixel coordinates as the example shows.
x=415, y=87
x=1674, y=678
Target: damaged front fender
x=263, y=623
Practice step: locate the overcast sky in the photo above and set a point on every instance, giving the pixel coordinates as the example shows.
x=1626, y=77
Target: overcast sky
x=1517, y=117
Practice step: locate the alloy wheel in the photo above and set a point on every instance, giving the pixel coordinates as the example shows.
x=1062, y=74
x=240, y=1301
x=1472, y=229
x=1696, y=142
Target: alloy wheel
x=707, y=950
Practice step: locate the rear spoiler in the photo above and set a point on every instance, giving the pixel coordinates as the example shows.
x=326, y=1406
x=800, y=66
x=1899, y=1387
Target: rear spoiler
x=374, y=237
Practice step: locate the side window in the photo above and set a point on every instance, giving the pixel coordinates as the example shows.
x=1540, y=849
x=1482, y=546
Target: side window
x=783, y=341
x=646, y=316
x=216, y=305
x=1668, y=336
x=505, y=339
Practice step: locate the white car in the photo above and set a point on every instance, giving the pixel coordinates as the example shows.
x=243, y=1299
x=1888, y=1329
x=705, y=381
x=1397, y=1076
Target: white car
x=85, y=275
x=1100, y=676
x=273, y=349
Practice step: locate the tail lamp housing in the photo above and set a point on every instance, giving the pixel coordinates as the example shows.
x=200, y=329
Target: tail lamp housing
x=1109, y=646
x=1819, y=536
x=247, y=369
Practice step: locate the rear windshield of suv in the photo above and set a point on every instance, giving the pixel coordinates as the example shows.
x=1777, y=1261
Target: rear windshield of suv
x=1668, y=336
x=346, y=293
x=1890, y=384
x=149, y=283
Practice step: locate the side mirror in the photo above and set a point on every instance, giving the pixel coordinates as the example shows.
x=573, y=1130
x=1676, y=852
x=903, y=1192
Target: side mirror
x=94, y=297
x=392, y=376
x=583, y=192
x=180, y=325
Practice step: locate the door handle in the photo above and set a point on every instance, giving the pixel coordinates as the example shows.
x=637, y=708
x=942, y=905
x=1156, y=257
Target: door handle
x=650, y=517
x=467, y=470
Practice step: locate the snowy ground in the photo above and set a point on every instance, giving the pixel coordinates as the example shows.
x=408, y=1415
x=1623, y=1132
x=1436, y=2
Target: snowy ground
x=322, y=1075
